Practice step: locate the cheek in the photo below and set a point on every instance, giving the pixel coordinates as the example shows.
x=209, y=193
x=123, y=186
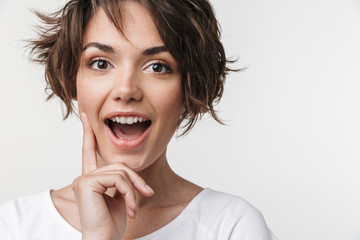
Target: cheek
x=89, y=93
x=167, y=99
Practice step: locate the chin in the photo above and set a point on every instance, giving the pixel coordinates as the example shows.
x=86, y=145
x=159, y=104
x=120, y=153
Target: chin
x=136, y=162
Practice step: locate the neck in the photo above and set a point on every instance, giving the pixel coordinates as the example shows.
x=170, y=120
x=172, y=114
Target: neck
x=162, y=179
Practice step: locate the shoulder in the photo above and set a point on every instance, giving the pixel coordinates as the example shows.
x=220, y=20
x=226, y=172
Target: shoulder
x=25, y=201
x=23, y=207
x=17, y=214
x=228, y=215
x=34, y=217
x=225, y=204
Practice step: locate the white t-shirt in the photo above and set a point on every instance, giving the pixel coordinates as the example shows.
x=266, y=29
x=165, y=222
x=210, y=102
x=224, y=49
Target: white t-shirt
x=210, y=215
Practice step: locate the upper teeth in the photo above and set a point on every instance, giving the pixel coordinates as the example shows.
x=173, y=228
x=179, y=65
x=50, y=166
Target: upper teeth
x=128, y=120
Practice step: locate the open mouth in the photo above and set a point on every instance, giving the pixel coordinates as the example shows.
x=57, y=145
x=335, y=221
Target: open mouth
x=128, y=128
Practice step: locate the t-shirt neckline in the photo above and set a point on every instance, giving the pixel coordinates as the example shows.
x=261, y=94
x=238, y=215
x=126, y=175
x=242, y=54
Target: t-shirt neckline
x=58, y=218
x=177, y=220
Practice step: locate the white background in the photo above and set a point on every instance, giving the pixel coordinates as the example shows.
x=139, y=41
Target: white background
x=292, y=144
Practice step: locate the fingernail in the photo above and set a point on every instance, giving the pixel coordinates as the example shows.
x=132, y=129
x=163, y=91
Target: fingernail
x=149, y=189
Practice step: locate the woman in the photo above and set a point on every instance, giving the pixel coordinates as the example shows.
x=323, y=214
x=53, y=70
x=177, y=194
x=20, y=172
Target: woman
x=138, y=70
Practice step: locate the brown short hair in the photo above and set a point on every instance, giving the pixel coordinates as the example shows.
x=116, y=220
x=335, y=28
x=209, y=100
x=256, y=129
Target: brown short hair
x=188, y=28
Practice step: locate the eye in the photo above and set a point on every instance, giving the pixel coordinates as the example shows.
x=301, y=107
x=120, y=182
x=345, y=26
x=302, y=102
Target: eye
x=158, y=68
x=100, y=64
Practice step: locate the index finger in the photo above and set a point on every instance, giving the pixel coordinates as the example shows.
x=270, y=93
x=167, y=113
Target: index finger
x=89, y=146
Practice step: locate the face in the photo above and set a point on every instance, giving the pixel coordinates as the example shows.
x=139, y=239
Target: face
x=130, y=87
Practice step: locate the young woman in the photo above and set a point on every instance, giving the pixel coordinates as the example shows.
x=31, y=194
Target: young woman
x=138, y=70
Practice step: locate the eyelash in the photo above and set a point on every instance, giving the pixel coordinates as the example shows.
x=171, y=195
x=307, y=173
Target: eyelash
x=97, y=60
x=166, y=66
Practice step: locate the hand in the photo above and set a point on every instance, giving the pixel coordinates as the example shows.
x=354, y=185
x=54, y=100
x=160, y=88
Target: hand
x=103, y=216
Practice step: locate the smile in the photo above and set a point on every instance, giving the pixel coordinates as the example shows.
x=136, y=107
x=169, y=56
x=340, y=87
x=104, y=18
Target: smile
x=128, y=131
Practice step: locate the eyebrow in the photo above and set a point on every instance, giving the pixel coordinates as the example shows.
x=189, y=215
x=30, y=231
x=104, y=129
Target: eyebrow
x=110, y=49
x=155, y=50
x=102, y=47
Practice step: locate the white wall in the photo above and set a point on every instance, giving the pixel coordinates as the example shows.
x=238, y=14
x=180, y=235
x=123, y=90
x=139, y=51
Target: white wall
x=292, y=144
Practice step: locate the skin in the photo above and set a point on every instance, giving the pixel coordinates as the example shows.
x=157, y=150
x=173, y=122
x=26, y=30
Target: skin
x=112, y=198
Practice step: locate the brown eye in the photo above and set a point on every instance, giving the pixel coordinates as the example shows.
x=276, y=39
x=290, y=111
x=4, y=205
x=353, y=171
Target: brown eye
x=157, y=67
x=100, y=65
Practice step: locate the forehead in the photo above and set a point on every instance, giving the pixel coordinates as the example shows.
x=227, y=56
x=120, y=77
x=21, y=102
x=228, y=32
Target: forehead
x=137, y=27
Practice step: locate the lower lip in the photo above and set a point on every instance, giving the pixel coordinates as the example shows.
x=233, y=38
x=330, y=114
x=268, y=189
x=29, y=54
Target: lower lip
x=128, y=144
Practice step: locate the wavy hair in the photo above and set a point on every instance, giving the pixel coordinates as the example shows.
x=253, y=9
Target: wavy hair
x=188, y=28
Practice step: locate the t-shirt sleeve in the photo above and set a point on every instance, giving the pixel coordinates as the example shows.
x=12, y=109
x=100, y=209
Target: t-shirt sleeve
x=34, y=217
x=3, y=234
x=251, y=226
x=5, y=212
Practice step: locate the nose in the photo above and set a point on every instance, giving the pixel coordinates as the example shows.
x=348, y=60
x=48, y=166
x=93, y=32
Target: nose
x=126, y=87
